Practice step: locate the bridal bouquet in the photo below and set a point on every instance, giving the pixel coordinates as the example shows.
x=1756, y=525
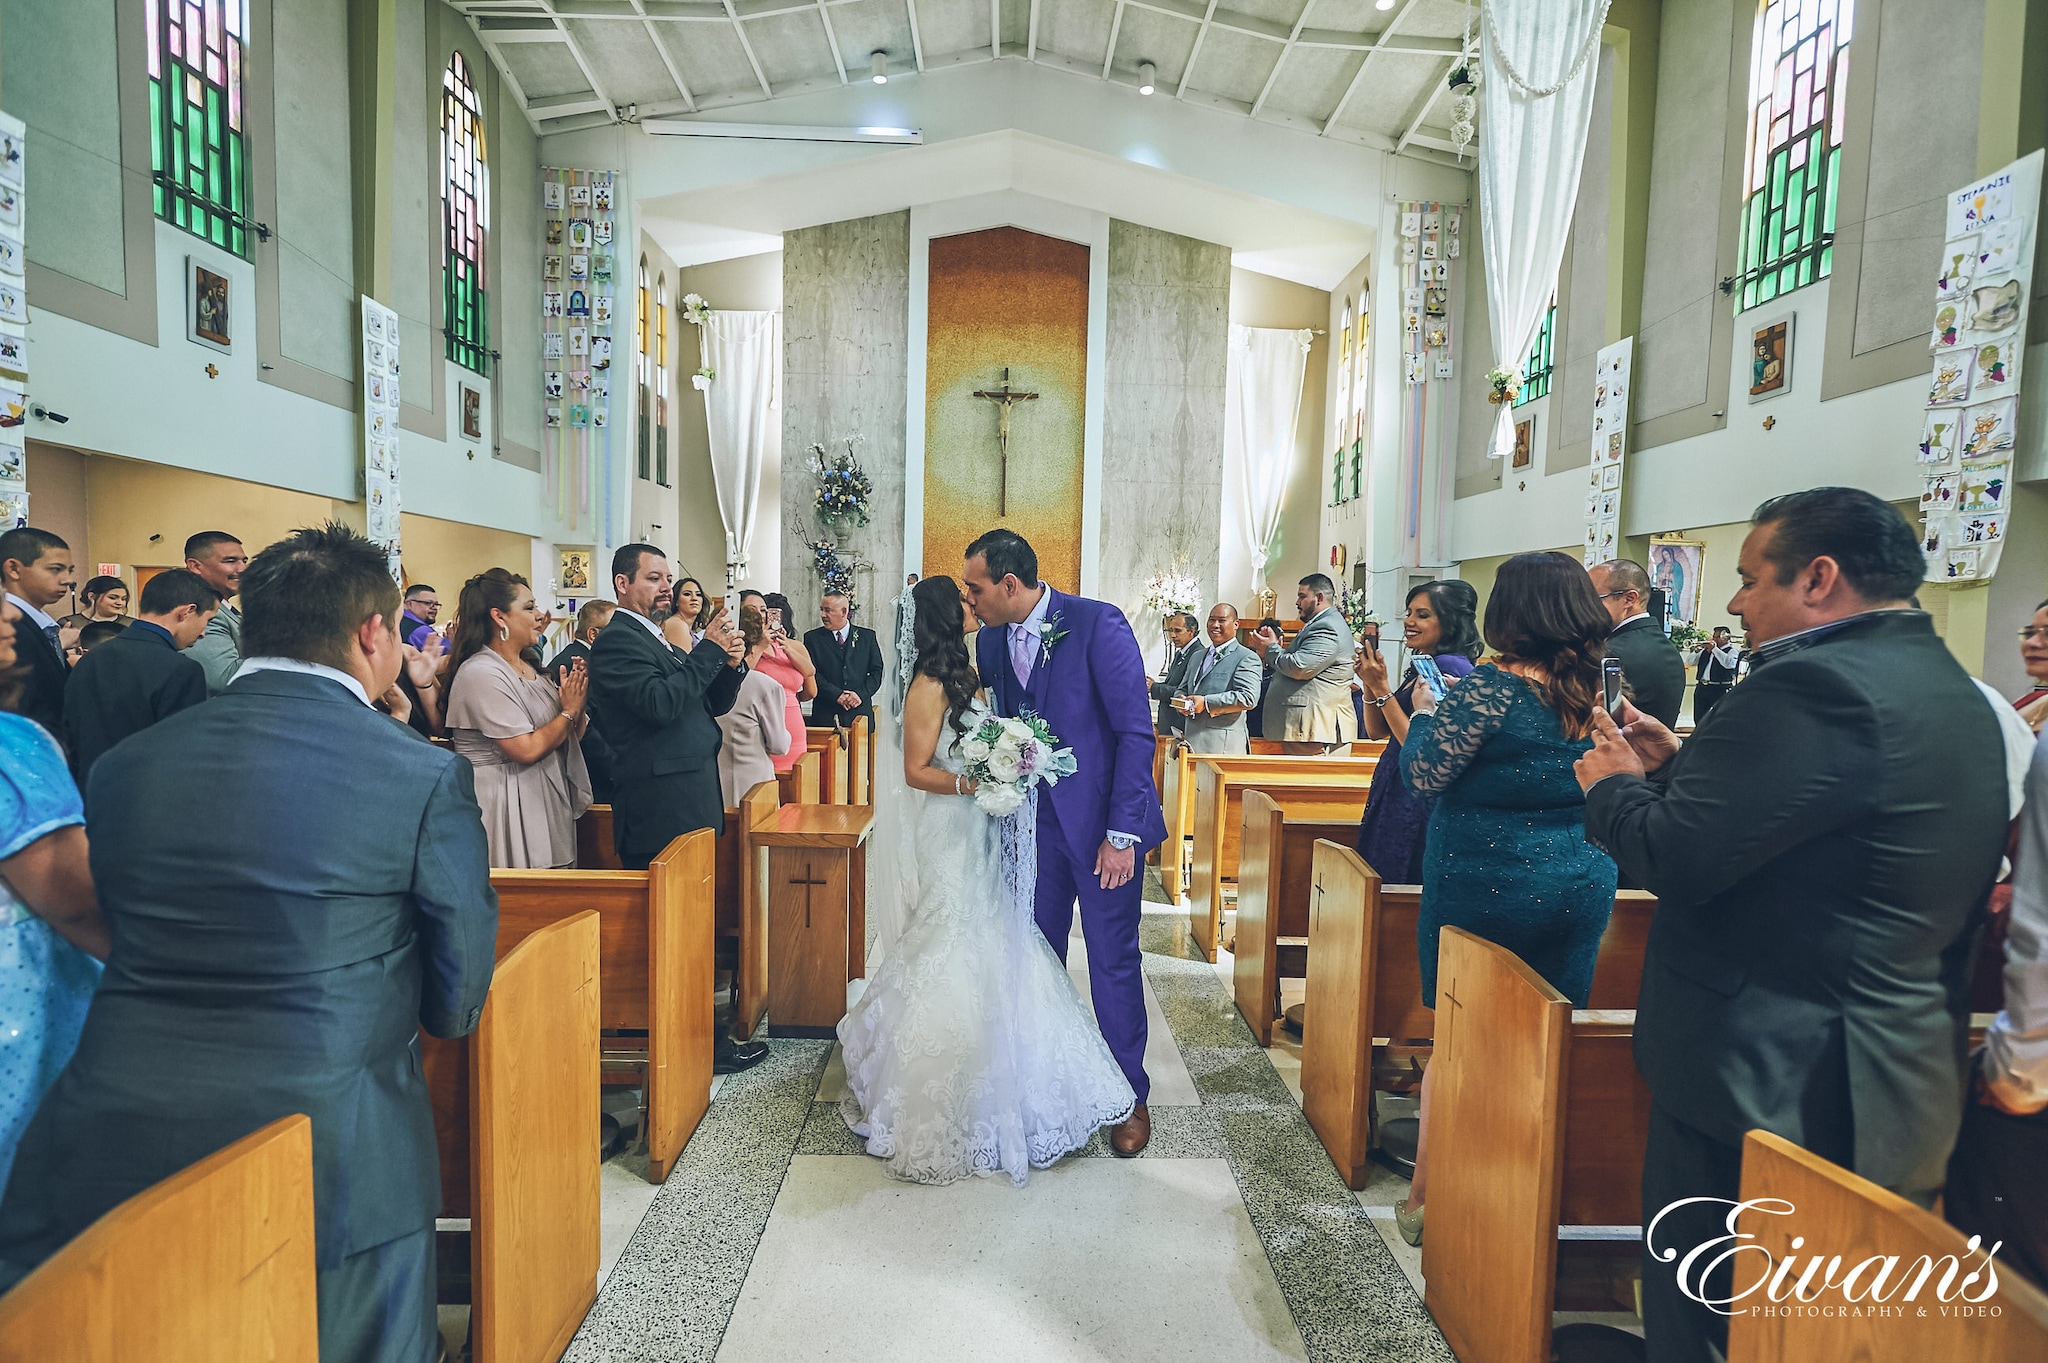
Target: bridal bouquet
x=1006, y=757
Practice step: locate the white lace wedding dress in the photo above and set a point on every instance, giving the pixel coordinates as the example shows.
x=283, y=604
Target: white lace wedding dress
x=971, y=1052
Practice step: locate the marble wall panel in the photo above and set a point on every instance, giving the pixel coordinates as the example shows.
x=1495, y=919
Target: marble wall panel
x=845, y=357
x=1162, y=474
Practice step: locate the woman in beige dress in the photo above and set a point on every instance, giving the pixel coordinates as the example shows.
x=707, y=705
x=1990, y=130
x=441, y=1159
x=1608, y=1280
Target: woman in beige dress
x=756, y=732
x=518, y=731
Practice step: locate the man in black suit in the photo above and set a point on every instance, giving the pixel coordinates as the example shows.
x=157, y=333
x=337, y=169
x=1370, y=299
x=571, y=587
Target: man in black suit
x=291, y=973
x=141, y=675
x=592, y=617
x=1649, y=662
x=659, y=710
x=849, y=663
x=1821, y=855
x=35, y=571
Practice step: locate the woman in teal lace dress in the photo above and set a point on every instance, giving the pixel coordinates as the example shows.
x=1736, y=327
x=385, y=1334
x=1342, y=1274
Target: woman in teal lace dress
x=1506, y=857
x=47, y=912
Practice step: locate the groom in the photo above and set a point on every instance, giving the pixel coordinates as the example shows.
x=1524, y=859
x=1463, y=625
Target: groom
x=1075, y=663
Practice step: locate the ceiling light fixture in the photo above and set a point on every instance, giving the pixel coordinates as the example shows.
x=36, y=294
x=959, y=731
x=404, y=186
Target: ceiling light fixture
x=878, y=67
x=1383, y=4
x=780, y=132
x=1146, y=71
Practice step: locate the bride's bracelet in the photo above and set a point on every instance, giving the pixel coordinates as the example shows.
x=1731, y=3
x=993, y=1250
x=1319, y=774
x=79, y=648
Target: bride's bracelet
x=958, y=777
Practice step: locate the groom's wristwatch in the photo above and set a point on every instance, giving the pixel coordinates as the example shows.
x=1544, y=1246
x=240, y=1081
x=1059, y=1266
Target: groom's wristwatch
x=1122, y=842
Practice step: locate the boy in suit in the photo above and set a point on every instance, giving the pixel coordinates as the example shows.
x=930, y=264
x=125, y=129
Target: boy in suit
x=35, y=571
x=141, y=675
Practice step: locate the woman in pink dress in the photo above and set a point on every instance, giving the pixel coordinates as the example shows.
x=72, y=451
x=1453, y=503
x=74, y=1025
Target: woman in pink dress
x=786, y=661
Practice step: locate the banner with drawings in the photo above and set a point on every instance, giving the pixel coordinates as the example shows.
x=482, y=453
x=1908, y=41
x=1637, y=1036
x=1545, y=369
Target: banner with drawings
x=380, y=428
x=1979, y=336
x=1430, y=233
x=579, y=265
x=13, y=325
x=1612, y=370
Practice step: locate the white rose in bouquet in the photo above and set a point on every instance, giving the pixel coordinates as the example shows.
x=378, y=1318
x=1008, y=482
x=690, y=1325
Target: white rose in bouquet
x=998, y=801
x=1003, y=763
x=974, y=749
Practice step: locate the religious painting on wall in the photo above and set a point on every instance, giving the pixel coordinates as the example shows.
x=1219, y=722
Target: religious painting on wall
x=1005, y=391
x=1770, y=358
x=1675, y=566
x=472, y=413
x=1525, y=442
x=206, y=306
x=572, y=570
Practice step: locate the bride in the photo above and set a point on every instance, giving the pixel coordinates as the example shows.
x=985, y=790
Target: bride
x=970, y=1051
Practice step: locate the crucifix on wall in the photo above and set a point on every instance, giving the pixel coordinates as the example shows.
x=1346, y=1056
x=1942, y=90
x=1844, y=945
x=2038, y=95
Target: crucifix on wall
x=1004, y=400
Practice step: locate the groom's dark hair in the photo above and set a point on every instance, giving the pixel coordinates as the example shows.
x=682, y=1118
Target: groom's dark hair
x=1006, y=552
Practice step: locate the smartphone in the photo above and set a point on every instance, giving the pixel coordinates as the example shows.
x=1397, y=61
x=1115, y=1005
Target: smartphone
x=1432, y=675
x=1371, y=643
x=1610, y=685
x=775, y=619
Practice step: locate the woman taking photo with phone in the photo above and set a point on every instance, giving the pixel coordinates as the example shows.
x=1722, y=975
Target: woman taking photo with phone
x=1506, y=856
x=785, y=661
x=1440, y=625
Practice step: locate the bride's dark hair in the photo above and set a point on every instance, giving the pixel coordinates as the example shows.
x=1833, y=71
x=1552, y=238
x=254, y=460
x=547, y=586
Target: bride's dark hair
x=940, y=634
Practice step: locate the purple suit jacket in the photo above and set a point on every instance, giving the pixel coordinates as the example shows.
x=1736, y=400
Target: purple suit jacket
x=1091, y=689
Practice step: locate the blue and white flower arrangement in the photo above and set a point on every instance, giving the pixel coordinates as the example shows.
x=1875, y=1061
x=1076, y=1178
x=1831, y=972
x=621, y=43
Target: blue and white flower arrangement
x=844, y=489
x=836, y=568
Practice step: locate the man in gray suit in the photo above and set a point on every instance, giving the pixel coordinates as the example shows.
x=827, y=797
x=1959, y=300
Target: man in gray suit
x=1308, y=707
x=1820, y=855
x=1180, y=632
x=289, y=970
x=1222, y=685
x=220, y=559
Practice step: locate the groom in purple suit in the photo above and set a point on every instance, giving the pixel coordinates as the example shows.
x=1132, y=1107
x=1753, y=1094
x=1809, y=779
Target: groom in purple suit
x=1075, y=663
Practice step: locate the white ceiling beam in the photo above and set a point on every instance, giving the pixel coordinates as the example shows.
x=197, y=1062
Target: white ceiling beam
x=916, y=38
x=561, y=106
x=1187, y=73
x=1436, y=90
x=1031, y=35
x=1273, y=76
x=505, y=74
x=1109, y=49
x=832, y=41
x=1358, y=76
x=582, y=62
x=740, y=31
x=668, y=62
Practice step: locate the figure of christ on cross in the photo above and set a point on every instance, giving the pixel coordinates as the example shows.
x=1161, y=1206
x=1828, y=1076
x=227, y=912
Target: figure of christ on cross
x=1004, y=400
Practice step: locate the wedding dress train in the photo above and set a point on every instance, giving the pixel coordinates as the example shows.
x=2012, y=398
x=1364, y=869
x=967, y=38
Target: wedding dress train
x=971, y=1052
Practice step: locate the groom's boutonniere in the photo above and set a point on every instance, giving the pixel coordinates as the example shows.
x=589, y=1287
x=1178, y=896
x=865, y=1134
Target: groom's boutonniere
x=1049, y=638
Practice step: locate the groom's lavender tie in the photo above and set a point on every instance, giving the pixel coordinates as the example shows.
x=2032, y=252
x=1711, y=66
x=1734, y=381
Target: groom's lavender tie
x=1020, y=654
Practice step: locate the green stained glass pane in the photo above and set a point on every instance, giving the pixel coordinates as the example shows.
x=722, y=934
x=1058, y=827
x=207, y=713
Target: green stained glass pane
x=1789, y=221
x=198, y=165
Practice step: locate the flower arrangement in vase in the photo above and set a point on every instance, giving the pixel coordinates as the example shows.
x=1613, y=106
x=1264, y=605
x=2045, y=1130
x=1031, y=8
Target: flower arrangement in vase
x=1173, y=591
x=844, y=488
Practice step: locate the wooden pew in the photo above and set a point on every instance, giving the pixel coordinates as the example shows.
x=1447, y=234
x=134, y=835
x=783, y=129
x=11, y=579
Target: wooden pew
x=860, y=762
x=516, y=1115
x=1842, y=1214
x=1363, y=1005
x=830, y=745
x=1363, y=747
x=215, y=1262
x=1537, y=1121
x=744, y=826
x=595, y=849
x=1275, y=871
x=1177, y=803
x=656, y=960
x=1307, y=787
x=816, y=859
x=800, y=783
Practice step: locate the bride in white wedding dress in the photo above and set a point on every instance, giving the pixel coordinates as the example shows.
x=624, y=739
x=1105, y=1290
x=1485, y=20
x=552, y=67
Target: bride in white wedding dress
x=970, y=1052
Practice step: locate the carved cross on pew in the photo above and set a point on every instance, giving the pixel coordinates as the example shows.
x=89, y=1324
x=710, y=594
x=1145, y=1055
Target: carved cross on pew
x=1004, y=401
x=808, y=882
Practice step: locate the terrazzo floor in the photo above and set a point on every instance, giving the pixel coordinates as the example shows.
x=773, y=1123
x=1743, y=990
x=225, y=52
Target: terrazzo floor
x=776, y=1237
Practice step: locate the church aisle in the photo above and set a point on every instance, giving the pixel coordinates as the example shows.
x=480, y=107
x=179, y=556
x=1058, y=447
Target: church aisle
x=1230, y=1238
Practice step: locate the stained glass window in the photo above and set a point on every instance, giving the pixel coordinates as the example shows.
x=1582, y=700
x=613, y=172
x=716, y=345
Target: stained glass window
x=661, y=380
x=198, y=140
x=643, y=339
x=1344, y=367
x=1798, y=65
x=466, y=208
x=1536, y=373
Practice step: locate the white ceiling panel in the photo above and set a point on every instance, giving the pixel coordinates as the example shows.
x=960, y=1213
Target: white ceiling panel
x=1077, y=29
x=711, y=59
x=1234, y=66
x=542, y=70
x=1147, y=36
x=791, y=48
x=873, y=26
x=953, y=26
x=1313, y=80
x=1391, y=88
x=628, y=65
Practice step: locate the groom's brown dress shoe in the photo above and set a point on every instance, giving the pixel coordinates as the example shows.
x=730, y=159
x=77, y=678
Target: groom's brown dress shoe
x=1131, y=1135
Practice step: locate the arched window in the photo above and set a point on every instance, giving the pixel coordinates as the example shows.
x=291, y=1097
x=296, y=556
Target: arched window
x=1536, y=373
x=466, y=209
x=1799, y=62
x=661, y=379
x=643, y=339
x=1342, y=414
x=198, y=140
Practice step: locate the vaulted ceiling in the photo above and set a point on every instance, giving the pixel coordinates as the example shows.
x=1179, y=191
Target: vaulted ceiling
x=1344, y=69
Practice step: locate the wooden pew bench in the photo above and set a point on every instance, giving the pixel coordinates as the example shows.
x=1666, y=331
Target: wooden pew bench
x=516, y=1116
x=1177, y=803
x=860, y=762
x=829, y=743
x=1537, y=1124
x=1842, y=1214
x=1327, y=788
x=1366, y=1028
x=812, y=862
x=215, y=1262
x=800, y=785
x=656, y=961
x=1275, y=872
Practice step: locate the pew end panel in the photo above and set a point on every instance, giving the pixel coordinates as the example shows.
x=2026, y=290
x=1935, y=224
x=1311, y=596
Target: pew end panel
x=215, y=1262
x=757, y=813
x=799, y=785
x=595, y=850
x=1489, y=1258
x=682, y=978
x=860, y=761
x=1276, y=873
x=1304, y=787
x=1336, y=1045
x=1839, y=1213
x=1618, y=972
x=534, y=1240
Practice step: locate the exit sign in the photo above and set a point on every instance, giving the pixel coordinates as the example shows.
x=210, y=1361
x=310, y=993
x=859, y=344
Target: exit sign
x=110, y=570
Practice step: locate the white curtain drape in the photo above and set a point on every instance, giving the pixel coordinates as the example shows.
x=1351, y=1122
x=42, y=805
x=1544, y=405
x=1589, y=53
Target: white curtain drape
x=1262, y=413
x=1537, y=65
x=743, y=351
